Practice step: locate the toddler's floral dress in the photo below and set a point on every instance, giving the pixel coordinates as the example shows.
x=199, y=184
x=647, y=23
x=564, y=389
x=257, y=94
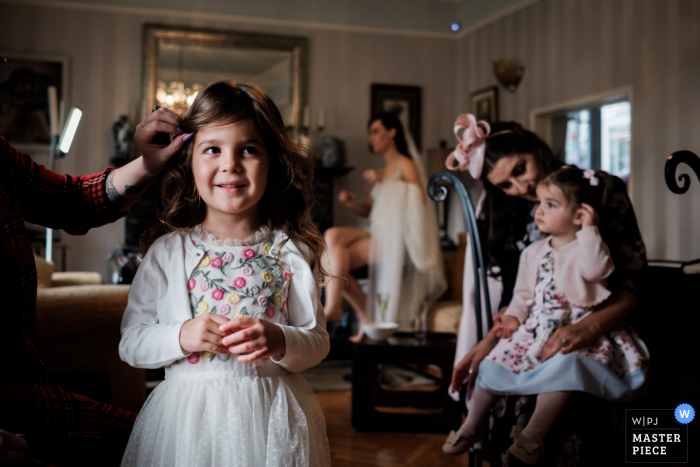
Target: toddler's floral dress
x=613, y=367
x=215, y=411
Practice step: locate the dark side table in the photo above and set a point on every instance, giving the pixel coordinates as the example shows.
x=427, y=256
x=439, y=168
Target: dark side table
x=418, y=410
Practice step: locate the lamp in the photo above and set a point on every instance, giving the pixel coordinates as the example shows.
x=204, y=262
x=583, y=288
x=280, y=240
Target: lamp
x=508, y=73
x=60, y=145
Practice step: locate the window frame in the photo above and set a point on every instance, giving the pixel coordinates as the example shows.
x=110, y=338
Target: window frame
x=541, y=119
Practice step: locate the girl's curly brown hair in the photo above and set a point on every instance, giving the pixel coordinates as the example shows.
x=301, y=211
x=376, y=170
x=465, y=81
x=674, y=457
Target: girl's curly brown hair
x=289, y=184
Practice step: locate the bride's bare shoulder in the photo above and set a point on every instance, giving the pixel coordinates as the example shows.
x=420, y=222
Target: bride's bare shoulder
x=409, y=172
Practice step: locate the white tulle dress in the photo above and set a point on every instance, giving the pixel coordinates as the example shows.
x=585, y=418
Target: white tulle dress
x=212, y=410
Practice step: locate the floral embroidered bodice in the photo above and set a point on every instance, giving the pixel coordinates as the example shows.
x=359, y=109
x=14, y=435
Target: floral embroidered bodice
x=237, y=278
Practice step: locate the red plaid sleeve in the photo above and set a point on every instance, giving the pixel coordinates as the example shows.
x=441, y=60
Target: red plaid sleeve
x=74, y=204
x=72, y=430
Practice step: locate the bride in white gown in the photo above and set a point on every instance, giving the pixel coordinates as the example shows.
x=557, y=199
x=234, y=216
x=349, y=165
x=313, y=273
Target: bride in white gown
x=401, y=246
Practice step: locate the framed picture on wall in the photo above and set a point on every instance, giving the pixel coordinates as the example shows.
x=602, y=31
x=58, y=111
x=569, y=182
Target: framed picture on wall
x=484, y=104
x=402, y=100
x=24, y=102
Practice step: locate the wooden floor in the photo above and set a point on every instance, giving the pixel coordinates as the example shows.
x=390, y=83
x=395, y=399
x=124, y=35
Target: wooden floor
x=356, y=448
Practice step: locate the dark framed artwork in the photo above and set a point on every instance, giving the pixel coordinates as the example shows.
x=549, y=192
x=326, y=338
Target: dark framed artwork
x=24, y=102
x=483, y=104
x=403, y=100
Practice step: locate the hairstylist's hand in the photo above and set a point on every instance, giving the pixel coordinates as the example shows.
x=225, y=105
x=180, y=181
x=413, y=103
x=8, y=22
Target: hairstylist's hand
x=568, y=338
x=588, y=216
x=347, y=199
x=156, y=156
x=256, y=337
x=10, y=445
x=202, y=334
x=505, y=325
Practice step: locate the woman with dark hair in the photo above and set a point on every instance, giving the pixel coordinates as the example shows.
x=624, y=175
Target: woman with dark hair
x=510, y=161
x=397, y=209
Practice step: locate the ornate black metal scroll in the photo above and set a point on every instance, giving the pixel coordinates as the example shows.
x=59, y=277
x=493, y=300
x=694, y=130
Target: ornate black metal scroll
x=437, y=193
x=673, y=161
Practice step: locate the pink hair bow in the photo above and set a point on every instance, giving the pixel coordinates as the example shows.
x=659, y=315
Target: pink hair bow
x=469, y=153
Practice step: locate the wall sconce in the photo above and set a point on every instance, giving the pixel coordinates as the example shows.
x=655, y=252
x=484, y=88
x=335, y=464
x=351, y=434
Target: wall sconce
x=508, y=73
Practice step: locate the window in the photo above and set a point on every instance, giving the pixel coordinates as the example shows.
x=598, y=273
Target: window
x=577, y=149
x=615, y=124
x=593, y=133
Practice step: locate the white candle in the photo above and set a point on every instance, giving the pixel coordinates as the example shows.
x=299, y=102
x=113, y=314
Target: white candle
x=306, y=119
x=291, y=116
x=53, y=111
x=321, y=122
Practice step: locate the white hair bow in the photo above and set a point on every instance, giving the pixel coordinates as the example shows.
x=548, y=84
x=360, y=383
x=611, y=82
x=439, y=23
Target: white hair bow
x=590, y=175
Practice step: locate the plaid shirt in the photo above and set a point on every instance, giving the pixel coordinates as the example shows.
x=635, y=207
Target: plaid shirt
x=65, y=428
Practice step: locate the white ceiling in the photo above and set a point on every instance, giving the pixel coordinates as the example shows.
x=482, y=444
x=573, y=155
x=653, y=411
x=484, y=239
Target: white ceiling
x=422, y=16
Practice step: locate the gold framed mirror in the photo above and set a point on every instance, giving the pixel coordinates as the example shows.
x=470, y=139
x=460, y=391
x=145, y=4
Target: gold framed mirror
x=178, y=61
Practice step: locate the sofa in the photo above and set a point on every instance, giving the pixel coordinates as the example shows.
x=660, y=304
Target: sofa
x=78, y=322
x=445, y=314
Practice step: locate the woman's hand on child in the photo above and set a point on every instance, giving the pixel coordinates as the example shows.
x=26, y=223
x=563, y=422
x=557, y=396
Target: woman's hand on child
x=156, y=156
x=567, y=339
x=505, y=325
x=468, y=369
x=202, y=334
x=255, y=337
x=588, y=216
x=347, y=199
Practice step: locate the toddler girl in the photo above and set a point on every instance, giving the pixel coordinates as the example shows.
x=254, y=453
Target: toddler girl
x=560, y=281
x=227, y=298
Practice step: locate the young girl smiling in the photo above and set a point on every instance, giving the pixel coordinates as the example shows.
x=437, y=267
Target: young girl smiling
x=227, y=297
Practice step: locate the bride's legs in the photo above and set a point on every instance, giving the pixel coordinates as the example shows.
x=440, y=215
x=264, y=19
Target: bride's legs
x=347, y=250
x=355, y=296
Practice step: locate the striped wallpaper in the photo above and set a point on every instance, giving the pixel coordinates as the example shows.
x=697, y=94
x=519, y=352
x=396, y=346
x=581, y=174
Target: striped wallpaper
x=575, y=48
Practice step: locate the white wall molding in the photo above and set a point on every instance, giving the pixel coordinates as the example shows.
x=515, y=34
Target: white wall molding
x=258, y=20
x=580, y=102
x=495, y=18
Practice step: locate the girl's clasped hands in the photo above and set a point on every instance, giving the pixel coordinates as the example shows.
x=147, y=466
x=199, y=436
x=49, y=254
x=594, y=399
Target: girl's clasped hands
x=252, y=338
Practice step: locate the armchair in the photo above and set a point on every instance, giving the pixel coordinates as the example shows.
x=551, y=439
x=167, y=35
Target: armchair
x=78, y=323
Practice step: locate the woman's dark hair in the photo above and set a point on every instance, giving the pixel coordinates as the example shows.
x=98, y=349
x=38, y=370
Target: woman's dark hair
x=507, y=216
x=390, y=121
x=285, y=201
x=578, y=189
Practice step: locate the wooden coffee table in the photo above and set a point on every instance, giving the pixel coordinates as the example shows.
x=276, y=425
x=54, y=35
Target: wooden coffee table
x=422, y=409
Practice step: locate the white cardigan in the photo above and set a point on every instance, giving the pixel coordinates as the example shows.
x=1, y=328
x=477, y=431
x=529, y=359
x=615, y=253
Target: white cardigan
x=159, y=305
